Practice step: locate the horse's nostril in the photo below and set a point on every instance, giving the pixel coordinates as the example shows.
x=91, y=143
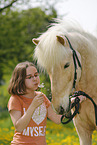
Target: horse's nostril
x=61, y=110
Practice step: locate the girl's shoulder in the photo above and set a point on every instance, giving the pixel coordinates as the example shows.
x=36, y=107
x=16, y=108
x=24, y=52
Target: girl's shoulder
x=14, y=103
x=14, y=98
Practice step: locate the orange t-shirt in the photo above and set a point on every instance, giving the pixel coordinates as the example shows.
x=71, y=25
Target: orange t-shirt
x=34, y=133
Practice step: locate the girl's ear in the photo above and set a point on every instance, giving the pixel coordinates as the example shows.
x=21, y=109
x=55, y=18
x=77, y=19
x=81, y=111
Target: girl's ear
x=35, y=41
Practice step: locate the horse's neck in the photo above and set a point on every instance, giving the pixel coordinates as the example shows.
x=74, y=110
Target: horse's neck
x=88, y=81
x=88, y=52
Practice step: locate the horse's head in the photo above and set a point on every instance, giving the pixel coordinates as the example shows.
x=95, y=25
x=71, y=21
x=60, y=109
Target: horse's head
x=54, y=54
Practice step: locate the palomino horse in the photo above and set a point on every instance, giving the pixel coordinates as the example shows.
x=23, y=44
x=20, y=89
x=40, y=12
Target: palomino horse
x=53, y=53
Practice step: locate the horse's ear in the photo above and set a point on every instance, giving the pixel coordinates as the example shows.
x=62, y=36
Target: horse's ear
x=61, y=39
x=35, y=41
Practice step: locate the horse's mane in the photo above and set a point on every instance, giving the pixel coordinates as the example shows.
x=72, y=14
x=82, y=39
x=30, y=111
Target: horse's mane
x=50, y=52
x=66, y=25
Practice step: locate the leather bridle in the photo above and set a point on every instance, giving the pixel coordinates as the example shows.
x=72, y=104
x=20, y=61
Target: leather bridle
x=75, y=61
x=78, y=93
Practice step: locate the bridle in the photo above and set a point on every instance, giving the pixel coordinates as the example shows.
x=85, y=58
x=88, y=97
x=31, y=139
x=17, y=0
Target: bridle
x=76, y=101
x=78, y=93
x=75, y=60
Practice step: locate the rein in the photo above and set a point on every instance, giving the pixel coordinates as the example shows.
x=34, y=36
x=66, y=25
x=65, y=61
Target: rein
x=78, y=93
x=76, y=105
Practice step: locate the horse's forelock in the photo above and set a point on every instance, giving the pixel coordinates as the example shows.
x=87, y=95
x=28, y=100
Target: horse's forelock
x=49, y=51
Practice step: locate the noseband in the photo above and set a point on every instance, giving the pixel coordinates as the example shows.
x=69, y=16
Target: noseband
x=78, y=93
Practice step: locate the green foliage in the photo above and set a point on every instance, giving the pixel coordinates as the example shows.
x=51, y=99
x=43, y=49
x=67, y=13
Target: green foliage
x=55, y=134
x=16, y=32
x=4, y=96
x=4, y=114
x=44, y=78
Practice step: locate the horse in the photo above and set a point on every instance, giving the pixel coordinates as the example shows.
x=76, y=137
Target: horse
x=54, y=53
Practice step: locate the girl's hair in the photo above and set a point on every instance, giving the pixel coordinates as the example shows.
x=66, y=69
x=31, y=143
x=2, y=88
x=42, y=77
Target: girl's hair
x=17, y=82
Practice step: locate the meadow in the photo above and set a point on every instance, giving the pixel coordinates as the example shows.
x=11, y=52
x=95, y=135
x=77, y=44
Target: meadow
x=55, y=134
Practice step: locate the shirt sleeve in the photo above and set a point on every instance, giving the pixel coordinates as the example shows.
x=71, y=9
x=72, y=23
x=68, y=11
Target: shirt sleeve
x=47, y=101
x=14, y=104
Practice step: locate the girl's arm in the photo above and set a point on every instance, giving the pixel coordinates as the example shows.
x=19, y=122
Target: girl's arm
x=20, y=122
x=57, y=118
x=53, y=116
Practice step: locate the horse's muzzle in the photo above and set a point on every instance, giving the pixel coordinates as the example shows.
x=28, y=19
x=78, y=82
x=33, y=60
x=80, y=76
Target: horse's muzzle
x=61, y=108
x=62, y=111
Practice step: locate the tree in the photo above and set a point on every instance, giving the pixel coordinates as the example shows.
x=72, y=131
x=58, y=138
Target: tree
x=45, y=4
x=4, y=4
x=16, y=32
x=7, y=5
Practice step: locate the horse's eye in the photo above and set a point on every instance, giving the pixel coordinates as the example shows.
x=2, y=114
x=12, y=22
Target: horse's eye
x=66, y=65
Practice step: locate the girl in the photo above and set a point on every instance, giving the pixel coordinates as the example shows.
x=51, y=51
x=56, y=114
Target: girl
x=28, y=108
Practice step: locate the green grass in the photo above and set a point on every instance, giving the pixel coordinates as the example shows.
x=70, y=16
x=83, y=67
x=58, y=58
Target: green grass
x=55, y=134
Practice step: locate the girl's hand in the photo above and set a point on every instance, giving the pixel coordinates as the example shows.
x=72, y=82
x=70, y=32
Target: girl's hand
x=82, y=98
x=38, y=100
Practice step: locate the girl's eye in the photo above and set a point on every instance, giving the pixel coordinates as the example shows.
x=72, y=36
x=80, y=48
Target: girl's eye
x=36, y=75
x=29, y=77
x=66, y=65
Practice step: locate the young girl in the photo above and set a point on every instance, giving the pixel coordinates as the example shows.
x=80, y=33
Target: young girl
x=28, y=108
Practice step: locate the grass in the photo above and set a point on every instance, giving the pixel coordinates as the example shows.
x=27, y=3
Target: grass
x=61, y=134
x=55, y=134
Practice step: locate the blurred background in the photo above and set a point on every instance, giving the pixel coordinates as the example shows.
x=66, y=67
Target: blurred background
x=22, y=20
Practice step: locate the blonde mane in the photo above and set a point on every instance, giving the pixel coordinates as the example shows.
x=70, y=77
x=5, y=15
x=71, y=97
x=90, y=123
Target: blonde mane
x=49, y=51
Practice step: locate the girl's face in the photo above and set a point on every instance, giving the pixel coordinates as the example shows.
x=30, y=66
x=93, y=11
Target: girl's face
x=32, y=79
